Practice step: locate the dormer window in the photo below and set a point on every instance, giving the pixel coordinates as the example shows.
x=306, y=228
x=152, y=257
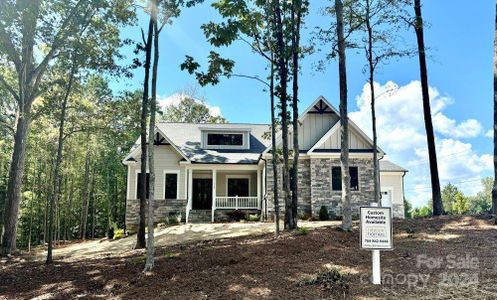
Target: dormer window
x=225, y=139
x=222, y=138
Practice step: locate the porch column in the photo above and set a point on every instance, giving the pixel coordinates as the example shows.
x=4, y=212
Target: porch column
x=214, y=180
x=258, y=189
x=190, y=189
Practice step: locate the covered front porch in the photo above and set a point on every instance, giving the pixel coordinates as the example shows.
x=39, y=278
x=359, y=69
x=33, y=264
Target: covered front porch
x=216, y=187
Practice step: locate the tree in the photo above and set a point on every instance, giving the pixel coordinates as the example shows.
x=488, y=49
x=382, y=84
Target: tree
x=190, y=110
x=430, y=136
x=449, y=193
x=461, y=205
x=147, y=47
x=482, y=201
x=494, y=189
x=272, y=30
x=378, y=19
x=149, y=263
x=407, y=208
x=344, y=121
x=60, y=141
x=25, y=27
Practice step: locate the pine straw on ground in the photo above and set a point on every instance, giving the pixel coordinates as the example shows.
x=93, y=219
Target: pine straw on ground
x=325, y=263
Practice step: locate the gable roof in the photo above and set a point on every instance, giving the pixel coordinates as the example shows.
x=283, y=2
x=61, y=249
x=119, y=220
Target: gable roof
x=317, y=107
x=186, y=138
x=353, y=125
x=388, y=166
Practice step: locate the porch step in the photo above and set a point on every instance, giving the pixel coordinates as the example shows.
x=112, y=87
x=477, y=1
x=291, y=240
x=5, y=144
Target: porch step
x=200, y=216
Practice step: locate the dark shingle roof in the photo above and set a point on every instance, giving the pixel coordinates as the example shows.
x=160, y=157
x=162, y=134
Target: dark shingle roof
x=388, y=166
x=187, y=137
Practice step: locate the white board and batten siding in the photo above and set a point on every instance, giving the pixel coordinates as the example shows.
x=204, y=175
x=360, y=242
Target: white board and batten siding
x=313, y=127
x=166, y=158
x=356, y=141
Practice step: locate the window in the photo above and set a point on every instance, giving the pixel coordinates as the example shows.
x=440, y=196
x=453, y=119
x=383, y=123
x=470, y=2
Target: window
x=225, y=139
x=171, y=186
x=238, y=187
x=336, y=178
x=139, y=186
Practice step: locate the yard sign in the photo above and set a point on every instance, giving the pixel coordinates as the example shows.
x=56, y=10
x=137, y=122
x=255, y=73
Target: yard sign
x=376, y=228
x=376, y=234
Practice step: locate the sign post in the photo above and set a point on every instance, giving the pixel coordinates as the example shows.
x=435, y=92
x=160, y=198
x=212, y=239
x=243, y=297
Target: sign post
x=376, y=234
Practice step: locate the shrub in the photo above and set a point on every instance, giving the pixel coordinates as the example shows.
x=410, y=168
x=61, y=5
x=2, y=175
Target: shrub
x=302, y=230
x=253, y=217
x=302, y=215
x=333, y=276
x=323, y=213
x=118, y=234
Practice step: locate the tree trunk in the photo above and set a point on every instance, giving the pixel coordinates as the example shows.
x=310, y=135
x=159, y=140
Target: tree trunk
x=282, y=92
x=56, y=178
x=344, y=121
x=430, y=136
x=14, y=185
x=149, y=264
x=92, y=201
x=376, y=168
x=84, y=196
x=140, y=242
x=296, y=18
x=494, y=189
x=274, y=155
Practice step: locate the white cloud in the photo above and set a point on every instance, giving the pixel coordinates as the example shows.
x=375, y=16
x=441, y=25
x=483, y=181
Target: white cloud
x=401, y=134
x=489, y=133
x=466, y=129
x=176, y=98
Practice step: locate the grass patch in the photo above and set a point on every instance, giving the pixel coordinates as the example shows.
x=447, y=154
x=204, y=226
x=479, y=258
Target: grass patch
x=253, y=217
x=302, y=230
x=137, y=260
x=171, y=254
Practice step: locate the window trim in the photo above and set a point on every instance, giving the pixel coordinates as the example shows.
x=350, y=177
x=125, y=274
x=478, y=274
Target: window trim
x=239, y=177
x=165, y=172
x=358, y=178
x=138, y=171
x=245, y=139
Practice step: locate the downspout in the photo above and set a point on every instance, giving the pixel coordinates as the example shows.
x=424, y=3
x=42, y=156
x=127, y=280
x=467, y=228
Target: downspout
x=264, y=196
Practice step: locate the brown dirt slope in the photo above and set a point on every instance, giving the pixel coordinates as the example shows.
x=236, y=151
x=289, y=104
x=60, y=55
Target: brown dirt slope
x=442, y=258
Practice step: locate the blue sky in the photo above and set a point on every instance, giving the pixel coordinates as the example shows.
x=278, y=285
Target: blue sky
x=460, y=38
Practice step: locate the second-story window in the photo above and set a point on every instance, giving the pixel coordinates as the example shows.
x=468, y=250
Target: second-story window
x=225, y=139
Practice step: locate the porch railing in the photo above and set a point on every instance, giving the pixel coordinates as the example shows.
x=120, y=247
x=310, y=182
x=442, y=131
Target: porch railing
x=236, y=202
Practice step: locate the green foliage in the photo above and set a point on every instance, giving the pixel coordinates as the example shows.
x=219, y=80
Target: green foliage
x=461, y=205
x=449, y=193
x=302, y=230
x=407, y=208
x=253, y=217
x=190, y=110
x=119, y=234
x=423, y=212
x=482, y=202
x=323, y=213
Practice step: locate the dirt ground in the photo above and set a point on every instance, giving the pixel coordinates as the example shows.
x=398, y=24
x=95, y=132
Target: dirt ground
x=442, y=258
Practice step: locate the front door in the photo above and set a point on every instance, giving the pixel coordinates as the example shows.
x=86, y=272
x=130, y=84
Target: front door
x=202, y=193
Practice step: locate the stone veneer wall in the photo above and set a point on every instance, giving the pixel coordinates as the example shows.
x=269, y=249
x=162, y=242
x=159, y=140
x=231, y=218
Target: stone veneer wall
x=304, y=178
x=322, y=194
x=162, y=210
x=315, y=186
